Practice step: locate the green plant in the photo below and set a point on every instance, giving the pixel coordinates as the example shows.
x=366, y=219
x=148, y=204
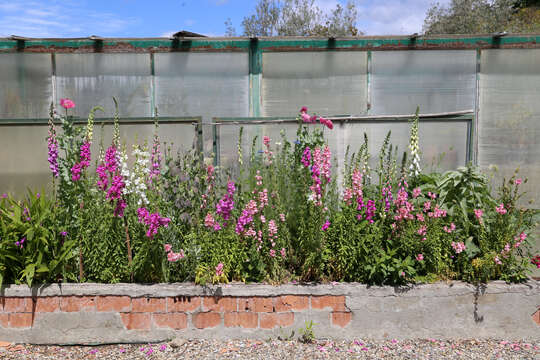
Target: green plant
x=308, y=334
x=32, y=248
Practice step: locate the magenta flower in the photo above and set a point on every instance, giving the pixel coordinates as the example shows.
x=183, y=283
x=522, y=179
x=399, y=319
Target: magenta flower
x=76, y=172
x=303, y=109
x=153, y=220
x=110, y=159
x=419, y=257
x=67, y=103
x=519, y=181
x=326, y=225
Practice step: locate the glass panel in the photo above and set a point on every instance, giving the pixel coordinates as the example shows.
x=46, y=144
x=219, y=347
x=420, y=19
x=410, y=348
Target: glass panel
x=436, y=80
x=202, y=84
x=328, y=83
x=23, y=166
x=208, y=84
x=443, y=144
x=509, y=115
x=93, y=79
x=25, y=85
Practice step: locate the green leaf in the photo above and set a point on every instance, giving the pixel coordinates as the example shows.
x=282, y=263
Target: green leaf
x=470, y=248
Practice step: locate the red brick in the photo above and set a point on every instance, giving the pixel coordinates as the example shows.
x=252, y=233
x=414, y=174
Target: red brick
x=20, y=320
x=220, y=304
x=77, y=303
x=4, y=320
x=113, y=303
x=536, y=317
x=272, y=320
x=183, y=304
x=341, y=319
x=243, y=319
x=140, y=321
x=256, y=304
x=47, y=304
x=148, y=304
x=175, y=321
x=337, y=303
x=291, y=302
x=205, y=320
x=17, y=304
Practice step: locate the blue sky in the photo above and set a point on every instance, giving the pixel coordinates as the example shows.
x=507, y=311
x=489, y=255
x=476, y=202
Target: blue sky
x=155, y=18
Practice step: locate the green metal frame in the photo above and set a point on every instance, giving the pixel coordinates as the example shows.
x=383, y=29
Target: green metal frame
x=256, y=47
x=271, y=43
x=468, y=119
x=194, y=120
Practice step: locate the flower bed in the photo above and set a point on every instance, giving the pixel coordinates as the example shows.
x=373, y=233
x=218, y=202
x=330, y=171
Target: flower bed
x=278, y=215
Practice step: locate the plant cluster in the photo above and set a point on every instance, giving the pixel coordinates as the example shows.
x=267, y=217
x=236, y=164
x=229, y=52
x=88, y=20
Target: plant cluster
x=278, y=215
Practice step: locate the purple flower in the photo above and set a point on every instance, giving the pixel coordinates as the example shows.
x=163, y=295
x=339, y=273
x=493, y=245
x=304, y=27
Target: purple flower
x=63, y=233
x=306, y=157
x=155, y=171
x=52, y=145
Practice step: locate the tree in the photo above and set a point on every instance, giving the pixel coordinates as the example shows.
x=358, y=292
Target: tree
x=298, y=18
x=483, y=16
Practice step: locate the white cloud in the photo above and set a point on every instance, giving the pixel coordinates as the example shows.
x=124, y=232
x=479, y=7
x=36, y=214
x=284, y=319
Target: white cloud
x=393, y=17
x=168, y=34
x=58, y=18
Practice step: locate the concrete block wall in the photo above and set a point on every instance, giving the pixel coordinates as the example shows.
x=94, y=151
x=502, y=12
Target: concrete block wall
x=97, y=314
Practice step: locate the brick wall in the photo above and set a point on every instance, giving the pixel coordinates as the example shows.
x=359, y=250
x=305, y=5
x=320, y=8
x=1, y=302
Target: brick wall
x=201, y=312
x=117, y=313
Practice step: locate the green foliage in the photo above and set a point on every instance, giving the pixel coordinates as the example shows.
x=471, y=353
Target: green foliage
x=298, y=18
x=483, y=17
x=32, y=249
x=308, y=334
x=277, y=215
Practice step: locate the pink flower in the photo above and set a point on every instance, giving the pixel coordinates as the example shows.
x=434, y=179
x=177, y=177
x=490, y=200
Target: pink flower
x=219, y=269
x=282, y=217
x=432, y=195
x=419, y=257
x=500, y=209
x=266, y=140
x=303, y=109
x=416, y=193
x=478, y=213
x=282, y=251
x=327, y=122
x=449, y=229
x=272, y=252
x=458, y=246
x=497, y=260
x=167, y=247
x=519, y=181
x=67, y=103
x=305, y=117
